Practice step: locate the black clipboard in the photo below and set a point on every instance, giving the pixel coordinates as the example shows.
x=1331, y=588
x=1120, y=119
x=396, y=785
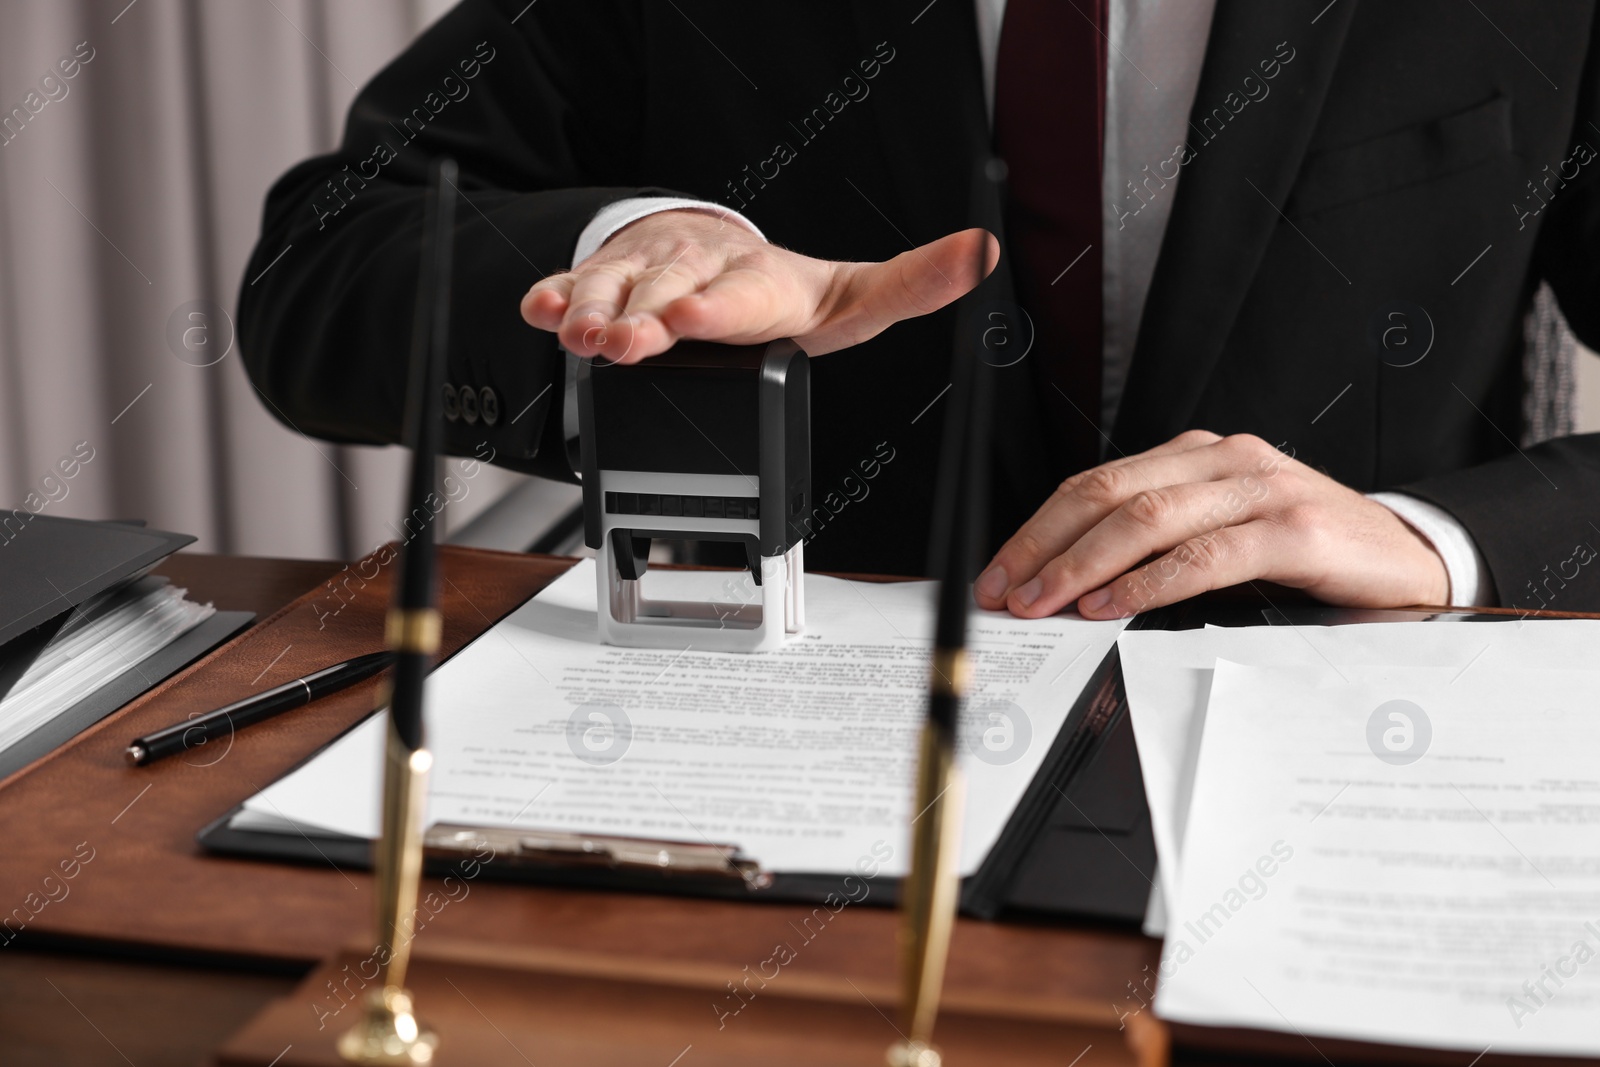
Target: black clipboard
x=986, y=893
x=1078, y=844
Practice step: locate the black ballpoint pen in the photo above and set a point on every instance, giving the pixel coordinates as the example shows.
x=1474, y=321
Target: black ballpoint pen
x=192, y=733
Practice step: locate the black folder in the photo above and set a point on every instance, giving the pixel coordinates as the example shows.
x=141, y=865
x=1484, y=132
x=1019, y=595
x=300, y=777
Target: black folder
x=53, y=574
x=49, y=565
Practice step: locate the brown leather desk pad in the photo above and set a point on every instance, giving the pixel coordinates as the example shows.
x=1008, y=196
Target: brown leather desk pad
x=149, y=887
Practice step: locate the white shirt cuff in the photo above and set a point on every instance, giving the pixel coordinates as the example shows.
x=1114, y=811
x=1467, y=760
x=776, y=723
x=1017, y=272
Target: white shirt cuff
x=615, y=216
x=1470, y=585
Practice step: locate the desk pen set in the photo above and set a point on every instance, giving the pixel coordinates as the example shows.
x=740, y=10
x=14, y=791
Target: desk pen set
x=711, y=443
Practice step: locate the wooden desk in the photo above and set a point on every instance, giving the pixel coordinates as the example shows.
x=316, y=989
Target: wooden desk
x=226, y=927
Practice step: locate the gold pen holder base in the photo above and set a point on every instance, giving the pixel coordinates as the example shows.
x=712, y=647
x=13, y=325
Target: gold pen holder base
x=388, y=1033
x=913, y=1054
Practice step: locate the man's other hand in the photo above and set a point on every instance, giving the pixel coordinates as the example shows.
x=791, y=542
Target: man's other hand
x=691, y=274
x=1214, y=511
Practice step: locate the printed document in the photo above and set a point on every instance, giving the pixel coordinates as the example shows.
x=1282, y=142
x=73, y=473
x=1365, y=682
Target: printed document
x=1168, y=677
x=1396, y=854
x=802, y=757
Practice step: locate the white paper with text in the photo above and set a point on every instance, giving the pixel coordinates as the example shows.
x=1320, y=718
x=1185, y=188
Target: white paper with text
x=1404, y=855
x=803, y=757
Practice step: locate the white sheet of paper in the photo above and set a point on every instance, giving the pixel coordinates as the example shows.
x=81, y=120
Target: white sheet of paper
x=1168, y=678
x=803, y=757
x=1451, y=901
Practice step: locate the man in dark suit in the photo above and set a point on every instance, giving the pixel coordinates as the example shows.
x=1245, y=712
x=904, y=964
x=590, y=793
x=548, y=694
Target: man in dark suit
x=1258, y=260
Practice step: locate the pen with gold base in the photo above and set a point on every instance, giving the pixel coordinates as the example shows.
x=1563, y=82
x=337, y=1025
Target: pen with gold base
x=388, y=1031
x=929, y=893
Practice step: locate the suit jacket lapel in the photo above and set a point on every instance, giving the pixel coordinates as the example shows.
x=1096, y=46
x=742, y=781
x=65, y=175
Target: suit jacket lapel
x=1228, y=197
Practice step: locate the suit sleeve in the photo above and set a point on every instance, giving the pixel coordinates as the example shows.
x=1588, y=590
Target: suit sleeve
x=1535, y=516
x=541, y=115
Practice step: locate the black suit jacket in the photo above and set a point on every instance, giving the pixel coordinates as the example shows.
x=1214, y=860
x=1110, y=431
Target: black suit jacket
x=1421, y=156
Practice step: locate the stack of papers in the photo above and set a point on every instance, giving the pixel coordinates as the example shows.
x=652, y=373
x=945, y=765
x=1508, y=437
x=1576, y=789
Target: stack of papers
x=801, y=757
x=1383, y=832
x=108, y=638
x=84, y=627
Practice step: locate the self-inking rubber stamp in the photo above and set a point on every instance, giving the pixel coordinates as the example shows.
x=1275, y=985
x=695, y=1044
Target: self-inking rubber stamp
x=706, y=442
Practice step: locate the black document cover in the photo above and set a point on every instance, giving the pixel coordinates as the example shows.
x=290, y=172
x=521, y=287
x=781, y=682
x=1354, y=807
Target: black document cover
x=50, y=565
x=53, y=572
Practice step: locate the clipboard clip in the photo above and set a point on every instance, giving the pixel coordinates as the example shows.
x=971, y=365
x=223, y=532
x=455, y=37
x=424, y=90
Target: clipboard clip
x=554, y=848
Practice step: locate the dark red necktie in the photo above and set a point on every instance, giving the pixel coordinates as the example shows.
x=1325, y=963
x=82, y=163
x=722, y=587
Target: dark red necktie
x=1049, y=113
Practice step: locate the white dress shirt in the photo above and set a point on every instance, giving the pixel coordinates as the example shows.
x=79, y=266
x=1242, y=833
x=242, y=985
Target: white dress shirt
x=1155, y=50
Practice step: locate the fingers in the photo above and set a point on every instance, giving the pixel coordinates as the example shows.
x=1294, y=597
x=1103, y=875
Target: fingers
x=639, y=330
x=1083, y=500
x=741, y=306
x=595, y=302
x=1210, y=561
x=659, y=286
x=1148, y=523
x=608, y=305
x=743, y=292
x=545, y=305
x=927, y=278
x=874, y=296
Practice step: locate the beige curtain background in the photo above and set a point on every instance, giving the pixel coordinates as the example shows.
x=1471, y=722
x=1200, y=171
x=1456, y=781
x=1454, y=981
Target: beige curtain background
x=133, y=199
x=128, y=205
